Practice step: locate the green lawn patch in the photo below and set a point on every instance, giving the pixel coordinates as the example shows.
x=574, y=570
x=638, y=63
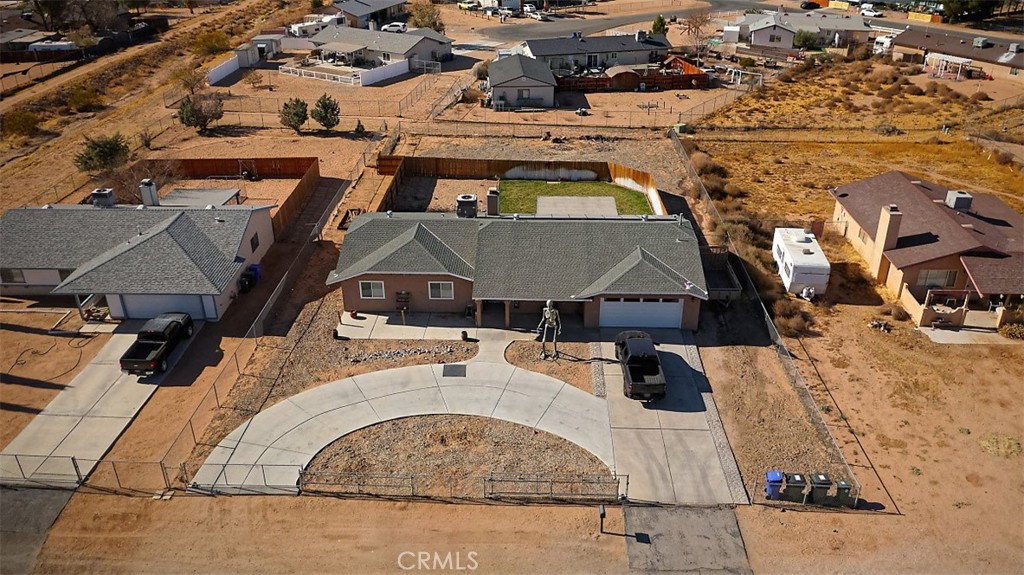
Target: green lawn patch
x=520, y=196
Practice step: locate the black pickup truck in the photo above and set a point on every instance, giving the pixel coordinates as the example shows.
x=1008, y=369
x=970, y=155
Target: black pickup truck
x=155, y=342
x=641, y=368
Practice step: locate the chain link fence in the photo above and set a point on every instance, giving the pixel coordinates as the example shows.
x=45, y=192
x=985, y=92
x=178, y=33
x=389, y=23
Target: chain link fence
x=786, y=359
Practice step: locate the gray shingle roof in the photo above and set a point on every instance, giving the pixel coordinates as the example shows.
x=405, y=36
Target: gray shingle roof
x=519, y=66
x=530, y=259
x=362, y=8
x=123, y=249
x=391, y=42
x=595, y=44
x=407, y=243
x=564, y=259
x=816, y=22
x=430, y=33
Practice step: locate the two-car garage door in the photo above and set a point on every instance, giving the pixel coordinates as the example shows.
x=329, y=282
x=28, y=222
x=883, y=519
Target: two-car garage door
x=641, y=312
x=144, y=306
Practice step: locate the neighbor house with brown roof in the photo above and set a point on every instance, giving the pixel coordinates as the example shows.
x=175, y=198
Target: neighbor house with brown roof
x=996, y=57
x=933, y=244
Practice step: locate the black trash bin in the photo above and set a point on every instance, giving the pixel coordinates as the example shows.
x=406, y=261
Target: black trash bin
x=843, y=496
x=794, y=489
x=820, y=484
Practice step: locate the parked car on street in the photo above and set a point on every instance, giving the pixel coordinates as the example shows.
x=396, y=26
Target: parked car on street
x=472, y=5
x=506, y=12
x=397, y=27
x=542, y=16
x=155, y=342
x=809, y=5
x=529, y=8
x=642, y=375
x=870, y=12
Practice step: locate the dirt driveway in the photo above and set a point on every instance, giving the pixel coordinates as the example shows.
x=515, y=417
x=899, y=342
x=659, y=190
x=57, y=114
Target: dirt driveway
x=323, y=535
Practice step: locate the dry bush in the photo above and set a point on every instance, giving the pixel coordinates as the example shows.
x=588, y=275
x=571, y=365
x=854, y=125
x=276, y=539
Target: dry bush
x=1002, y=158
x=734, y=191
x=885, y=309
x=715, y=185
x=791, y=319
x=1012, y=331
x=899, y=314
x=705, y=165
x=980, y=97
x=912, y=90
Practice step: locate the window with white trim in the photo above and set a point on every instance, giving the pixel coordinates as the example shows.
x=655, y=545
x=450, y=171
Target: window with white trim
x=774, y=38
x=12, y=276
x=385, y=57
x=371, y=290
x=936, y=278
x=441, y=290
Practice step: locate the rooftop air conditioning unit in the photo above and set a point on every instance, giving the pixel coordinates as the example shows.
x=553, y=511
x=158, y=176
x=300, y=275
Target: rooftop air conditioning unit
x=959, y=200
x=1014, y=48
x=103, y=197
x=981, y=42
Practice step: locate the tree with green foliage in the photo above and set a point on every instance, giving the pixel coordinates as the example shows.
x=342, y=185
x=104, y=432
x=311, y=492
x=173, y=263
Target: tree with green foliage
x=326, y=112
x=200, y=111
x=315, y=5
x=660, y=26
x=294, y=114
x=19, y=123
x=51, y=12
x=426, y=15
x=189, y=79
x=210, y=43
x=805, y=39
x=969, y=10
x=103, y=154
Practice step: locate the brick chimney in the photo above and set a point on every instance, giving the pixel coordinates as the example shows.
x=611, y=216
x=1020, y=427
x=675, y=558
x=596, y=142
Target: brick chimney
x=885, y=238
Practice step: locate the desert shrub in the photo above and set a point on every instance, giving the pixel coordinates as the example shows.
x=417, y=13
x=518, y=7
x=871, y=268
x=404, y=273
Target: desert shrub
x=790, y=318
x=786, y=77
x=980, y=97
x=146, y=137
x=1012, y=331
x=210, y=43
x=734, y=191
x=103, y=154
x=913, y=90
x=480, y=69
x=715, y=185
x=886, y=128
x=1002, y=158
x=889, y=93
x=704, y=165
x=885, y=309
x=747, y=62
x=83, y=99
x=899, y=314
x=19, y=123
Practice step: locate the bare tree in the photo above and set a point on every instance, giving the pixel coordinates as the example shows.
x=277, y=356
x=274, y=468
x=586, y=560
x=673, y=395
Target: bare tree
x=695, y=26
x=254, y=79
x=190, y=79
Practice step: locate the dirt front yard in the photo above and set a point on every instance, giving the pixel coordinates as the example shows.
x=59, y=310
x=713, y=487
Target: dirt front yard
x=573, y=365
x=324, y=535
x=450, y=454
x=36, y=366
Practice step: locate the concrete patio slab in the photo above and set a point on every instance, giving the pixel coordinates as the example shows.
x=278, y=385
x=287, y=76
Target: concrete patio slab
x=576, y=206
x=966, y=336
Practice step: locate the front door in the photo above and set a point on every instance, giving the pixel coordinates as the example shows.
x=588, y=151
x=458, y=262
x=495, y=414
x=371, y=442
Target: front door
x=592, y=60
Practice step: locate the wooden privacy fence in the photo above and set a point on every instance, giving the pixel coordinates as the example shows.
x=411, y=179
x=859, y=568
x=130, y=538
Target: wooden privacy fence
x=474, y=168
x=305, y=169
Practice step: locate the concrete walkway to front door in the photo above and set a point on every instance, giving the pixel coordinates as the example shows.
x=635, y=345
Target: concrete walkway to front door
x=78, y=427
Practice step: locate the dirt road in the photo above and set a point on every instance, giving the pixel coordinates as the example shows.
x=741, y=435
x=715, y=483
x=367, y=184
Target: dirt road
x=324, y=535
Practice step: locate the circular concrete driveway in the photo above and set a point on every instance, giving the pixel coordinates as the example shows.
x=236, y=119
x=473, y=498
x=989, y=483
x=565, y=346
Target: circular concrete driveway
x=266, y=453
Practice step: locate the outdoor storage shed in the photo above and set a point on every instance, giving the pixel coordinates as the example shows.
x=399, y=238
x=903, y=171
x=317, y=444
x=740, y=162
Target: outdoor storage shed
x=801, y=262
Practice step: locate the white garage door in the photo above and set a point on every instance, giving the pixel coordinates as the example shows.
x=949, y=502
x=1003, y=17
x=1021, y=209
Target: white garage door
x=646, y=312
x=148, y=306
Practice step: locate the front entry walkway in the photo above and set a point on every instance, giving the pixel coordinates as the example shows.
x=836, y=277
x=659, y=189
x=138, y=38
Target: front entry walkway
x=267, y=453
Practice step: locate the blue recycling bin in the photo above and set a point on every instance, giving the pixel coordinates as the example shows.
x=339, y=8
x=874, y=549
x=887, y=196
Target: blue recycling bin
x=773, y=481
x=255, y=269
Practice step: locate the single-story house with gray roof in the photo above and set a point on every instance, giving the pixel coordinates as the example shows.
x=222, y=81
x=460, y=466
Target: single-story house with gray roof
x=596, y=51
x=359, y=13
x=614, y=272
x=779, y=29
x=517, y=81
x=146, y=260
x=357, y=46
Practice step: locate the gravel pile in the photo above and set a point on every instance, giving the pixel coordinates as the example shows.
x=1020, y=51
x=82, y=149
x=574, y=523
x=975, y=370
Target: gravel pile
x=394, y=354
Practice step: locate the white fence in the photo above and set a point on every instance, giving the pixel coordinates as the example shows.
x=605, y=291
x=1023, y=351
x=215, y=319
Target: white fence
x=381, y=73
x=352, y=79
x=222, y=70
